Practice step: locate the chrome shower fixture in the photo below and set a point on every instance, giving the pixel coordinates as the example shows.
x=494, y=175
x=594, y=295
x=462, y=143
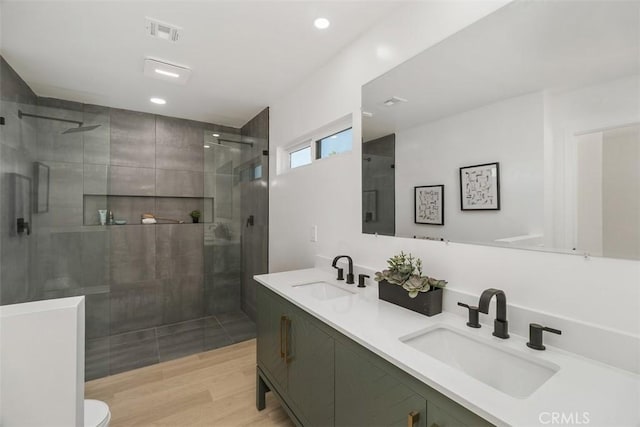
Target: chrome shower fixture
x=80, y=128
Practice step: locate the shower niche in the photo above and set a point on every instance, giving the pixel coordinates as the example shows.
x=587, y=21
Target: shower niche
x=166, y=209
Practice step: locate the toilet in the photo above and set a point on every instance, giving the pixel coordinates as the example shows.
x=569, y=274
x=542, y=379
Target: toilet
x=96, y=413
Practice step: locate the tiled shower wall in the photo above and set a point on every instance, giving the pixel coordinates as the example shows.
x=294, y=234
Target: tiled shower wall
x=255, y=201
x=152, y=292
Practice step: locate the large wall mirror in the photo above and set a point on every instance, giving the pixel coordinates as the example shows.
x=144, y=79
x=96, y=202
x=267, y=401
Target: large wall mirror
x=522, y=130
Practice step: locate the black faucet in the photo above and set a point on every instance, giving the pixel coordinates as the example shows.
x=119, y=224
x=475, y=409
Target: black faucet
x=350, y=280
x=535, y=335
x=500, y=325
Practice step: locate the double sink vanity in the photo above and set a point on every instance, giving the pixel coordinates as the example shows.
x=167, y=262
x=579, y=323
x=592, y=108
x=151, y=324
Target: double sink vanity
x=335, y=354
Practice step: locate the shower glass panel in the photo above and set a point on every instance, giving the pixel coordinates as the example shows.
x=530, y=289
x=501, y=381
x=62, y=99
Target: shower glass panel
x=222, y=235
x=44, y=174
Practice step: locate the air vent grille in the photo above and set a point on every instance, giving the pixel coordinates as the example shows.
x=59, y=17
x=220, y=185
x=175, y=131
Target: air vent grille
x=162, y=30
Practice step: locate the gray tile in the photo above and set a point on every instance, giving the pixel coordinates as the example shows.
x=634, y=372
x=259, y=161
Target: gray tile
x=176, y=328
x=136, y=307
x=133, y=350
x=12, y=86
x=181, y=344
x=133, y=139
x=232, y=317
x=96, y=358
x=94, y=258
x=222, y=294
x=238, y=326
x=97, y=315
x=132, y=181
x=215, y=335
x=224, y=196
x=132, y=254
x=65, y=194
x=178, y=208
x=183, y=299
x=179, y=183
x=226, y=256
x=179, y=250
x=63, y=262
x=179, y=145
x=96, y=179
x=53, y=145
x=98, y=141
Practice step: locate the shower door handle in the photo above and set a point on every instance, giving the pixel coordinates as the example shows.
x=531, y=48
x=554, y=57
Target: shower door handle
x=22, y=226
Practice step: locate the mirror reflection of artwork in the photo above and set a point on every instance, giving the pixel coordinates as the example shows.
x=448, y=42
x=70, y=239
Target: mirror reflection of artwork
x=429, y=204
x=555, y=103
x=480, y=187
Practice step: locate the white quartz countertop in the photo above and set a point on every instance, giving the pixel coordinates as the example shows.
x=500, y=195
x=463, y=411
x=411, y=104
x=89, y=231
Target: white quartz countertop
x=582, y=391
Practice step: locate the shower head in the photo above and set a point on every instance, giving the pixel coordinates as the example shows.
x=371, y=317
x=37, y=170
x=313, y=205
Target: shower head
x=81, y=128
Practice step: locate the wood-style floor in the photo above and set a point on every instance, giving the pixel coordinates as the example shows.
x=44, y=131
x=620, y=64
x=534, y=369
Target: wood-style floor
x=216, y=388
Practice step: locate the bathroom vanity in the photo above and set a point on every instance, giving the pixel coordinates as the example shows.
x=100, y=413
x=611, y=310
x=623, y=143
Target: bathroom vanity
x=336, y=355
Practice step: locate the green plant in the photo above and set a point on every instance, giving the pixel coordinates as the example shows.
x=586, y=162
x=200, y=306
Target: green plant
x=195, y=214
x=406, y=271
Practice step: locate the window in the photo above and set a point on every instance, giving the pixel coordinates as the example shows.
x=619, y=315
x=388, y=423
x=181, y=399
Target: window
x=334, y=144
x=300, y=157
x=333, y=138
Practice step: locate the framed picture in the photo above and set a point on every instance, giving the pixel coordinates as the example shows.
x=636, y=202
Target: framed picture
x=480, y=187
x=429, y=204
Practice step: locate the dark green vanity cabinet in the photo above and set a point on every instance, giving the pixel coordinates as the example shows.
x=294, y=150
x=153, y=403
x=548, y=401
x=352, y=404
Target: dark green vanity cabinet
x=296, y=357
x=369, y=396
x=324, y=378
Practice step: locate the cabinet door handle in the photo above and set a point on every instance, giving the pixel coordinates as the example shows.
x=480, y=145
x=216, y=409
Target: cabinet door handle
x=287, y=332
x=413, y=418
x=282, y=322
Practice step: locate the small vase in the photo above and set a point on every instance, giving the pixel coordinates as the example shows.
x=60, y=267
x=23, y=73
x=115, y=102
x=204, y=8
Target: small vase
x=195, y=220
x=427, y=303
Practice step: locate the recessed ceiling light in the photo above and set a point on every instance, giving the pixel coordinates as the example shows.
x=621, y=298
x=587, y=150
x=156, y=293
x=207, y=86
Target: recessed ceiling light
x=167, y=73
x=158, y=101
x=163, y=70
x=321, y=23
x=207, y=146
x=216, y=135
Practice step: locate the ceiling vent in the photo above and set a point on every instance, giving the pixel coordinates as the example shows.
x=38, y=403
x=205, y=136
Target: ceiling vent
x=393, y=101
x=162, y=30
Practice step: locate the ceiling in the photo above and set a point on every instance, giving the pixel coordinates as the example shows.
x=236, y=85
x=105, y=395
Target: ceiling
x=243, y=54
x=524, y=47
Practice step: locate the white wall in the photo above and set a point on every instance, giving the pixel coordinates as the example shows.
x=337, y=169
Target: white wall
x=327, y=194
x=42, y=347
x=509, y=132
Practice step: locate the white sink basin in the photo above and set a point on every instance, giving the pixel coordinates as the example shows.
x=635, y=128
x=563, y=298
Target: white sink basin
x=503, y=369
x=322, y=290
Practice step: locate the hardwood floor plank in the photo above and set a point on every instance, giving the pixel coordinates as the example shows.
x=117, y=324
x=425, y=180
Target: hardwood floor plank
x=211, y=389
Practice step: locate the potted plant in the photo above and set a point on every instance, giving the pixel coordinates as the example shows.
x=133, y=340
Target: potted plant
x=195, y=216
x=404, y=284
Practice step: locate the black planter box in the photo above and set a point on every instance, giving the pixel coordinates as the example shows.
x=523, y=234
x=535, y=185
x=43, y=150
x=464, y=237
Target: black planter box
x=427, y=303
